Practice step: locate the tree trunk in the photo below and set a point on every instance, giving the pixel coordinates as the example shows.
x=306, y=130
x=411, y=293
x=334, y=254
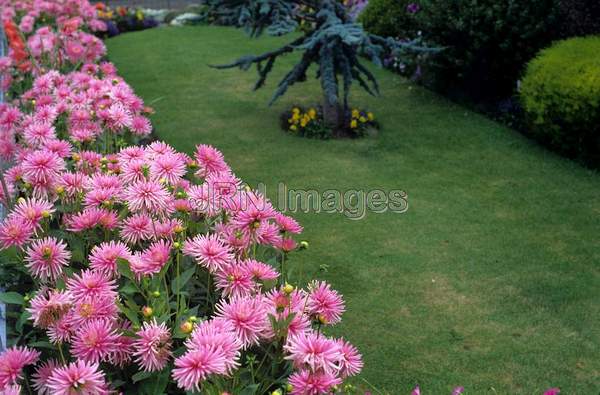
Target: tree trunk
x=333, y=117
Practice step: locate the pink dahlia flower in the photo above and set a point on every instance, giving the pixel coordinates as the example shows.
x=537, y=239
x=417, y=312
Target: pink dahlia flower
x=148, y=197
x=47, y=308
x=235, y=281
x=219, y=334
x=306, y=382
x=94, y=341
x=103, y=257
x=92, y=284
x=210, y=160
x=15, y=232
x=12, y=362
x=351, y=361
x=32, y=210
x=195, y=366
x=137, y=228
x=41, y=376
x=247, y=315
x=314, y=351
x=209, y=251
x=325, y=303
x=153, y=346
x=78, y=378
x=46, y=257
x=260, y=271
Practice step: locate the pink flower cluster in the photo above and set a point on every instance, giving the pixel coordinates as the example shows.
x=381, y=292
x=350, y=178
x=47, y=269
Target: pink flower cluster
x=61, y=43
x=62, y=110
x=135, y=218
x=148, y=184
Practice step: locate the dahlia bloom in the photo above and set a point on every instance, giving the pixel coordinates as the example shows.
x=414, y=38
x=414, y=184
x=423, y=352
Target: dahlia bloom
x=260, y=271
x=32, y=211
x=169, y=167
x=15, y=231
x=306, y=382
x=148, y=197
x=151, y=260
x=248, y=317
x=152, y=349
x=47, y=308
x=209, y=160
x=137, y=228
x=41, y=376
x=218, y=334
x=12, y=362
x=93, y=308
x=351, y=361
x=46, y=257
x=314, y=351
x=92, y=284
x=95, y=341
x=209, y=251
x=235, y=281
x=195, y=366
x=77, y=378
x=324, y=303
x=104, y=257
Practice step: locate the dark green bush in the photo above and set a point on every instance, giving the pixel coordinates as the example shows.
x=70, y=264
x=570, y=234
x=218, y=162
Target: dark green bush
x=560, y=93
x=390, y=18
x=487, y=42
x=579, y=17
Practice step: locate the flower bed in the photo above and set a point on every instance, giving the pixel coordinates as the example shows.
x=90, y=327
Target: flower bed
x=139, y=269
x=309, y=122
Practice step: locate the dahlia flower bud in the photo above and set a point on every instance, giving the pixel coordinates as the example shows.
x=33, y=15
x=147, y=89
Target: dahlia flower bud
x=187, y=327
x=147, y=311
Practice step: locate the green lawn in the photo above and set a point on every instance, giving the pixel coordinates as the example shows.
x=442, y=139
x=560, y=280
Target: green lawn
x=490, y=280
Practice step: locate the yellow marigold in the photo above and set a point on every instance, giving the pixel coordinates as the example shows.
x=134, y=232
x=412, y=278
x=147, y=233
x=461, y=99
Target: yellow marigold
x=296, y=116
x=370, y=116
x=363, y=119
x=296, y=110
x=312, y=113
x=354, y=124
x=355, y=113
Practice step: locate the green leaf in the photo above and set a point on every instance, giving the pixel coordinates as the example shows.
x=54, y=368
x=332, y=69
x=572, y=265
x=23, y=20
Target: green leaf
x=139, y=376
x=249, y=390
x=131, y=315
x=42, y=344
x=125, y=269
x=129, y=288
x=12, y=298
x=179, y=282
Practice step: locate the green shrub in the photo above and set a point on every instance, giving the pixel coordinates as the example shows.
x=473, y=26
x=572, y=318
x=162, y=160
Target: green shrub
x=488, y=42
x=560, y=93
x=389, y=18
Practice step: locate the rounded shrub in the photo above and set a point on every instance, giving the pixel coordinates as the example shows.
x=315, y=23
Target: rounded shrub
x=391, y=18
x=560, y=93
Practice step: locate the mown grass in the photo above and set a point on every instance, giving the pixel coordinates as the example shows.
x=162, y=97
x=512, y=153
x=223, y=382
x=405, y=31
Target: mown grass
x=490, y=280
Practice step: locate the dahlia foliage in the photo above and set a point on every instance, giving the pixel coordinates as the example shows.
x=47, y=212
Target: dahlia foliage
x=146, y=270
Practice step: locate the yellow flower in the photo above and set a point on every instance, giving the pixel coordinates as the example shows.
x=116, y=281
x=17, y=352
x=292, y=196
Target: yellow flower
x=296, y=116
x=370, y=116
x=355, y=113
x=354, y=124
x=293, y=128
x=312, y=113
x=291, y=120
x=363, y=119
x=296, y=110
x=139, y=15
